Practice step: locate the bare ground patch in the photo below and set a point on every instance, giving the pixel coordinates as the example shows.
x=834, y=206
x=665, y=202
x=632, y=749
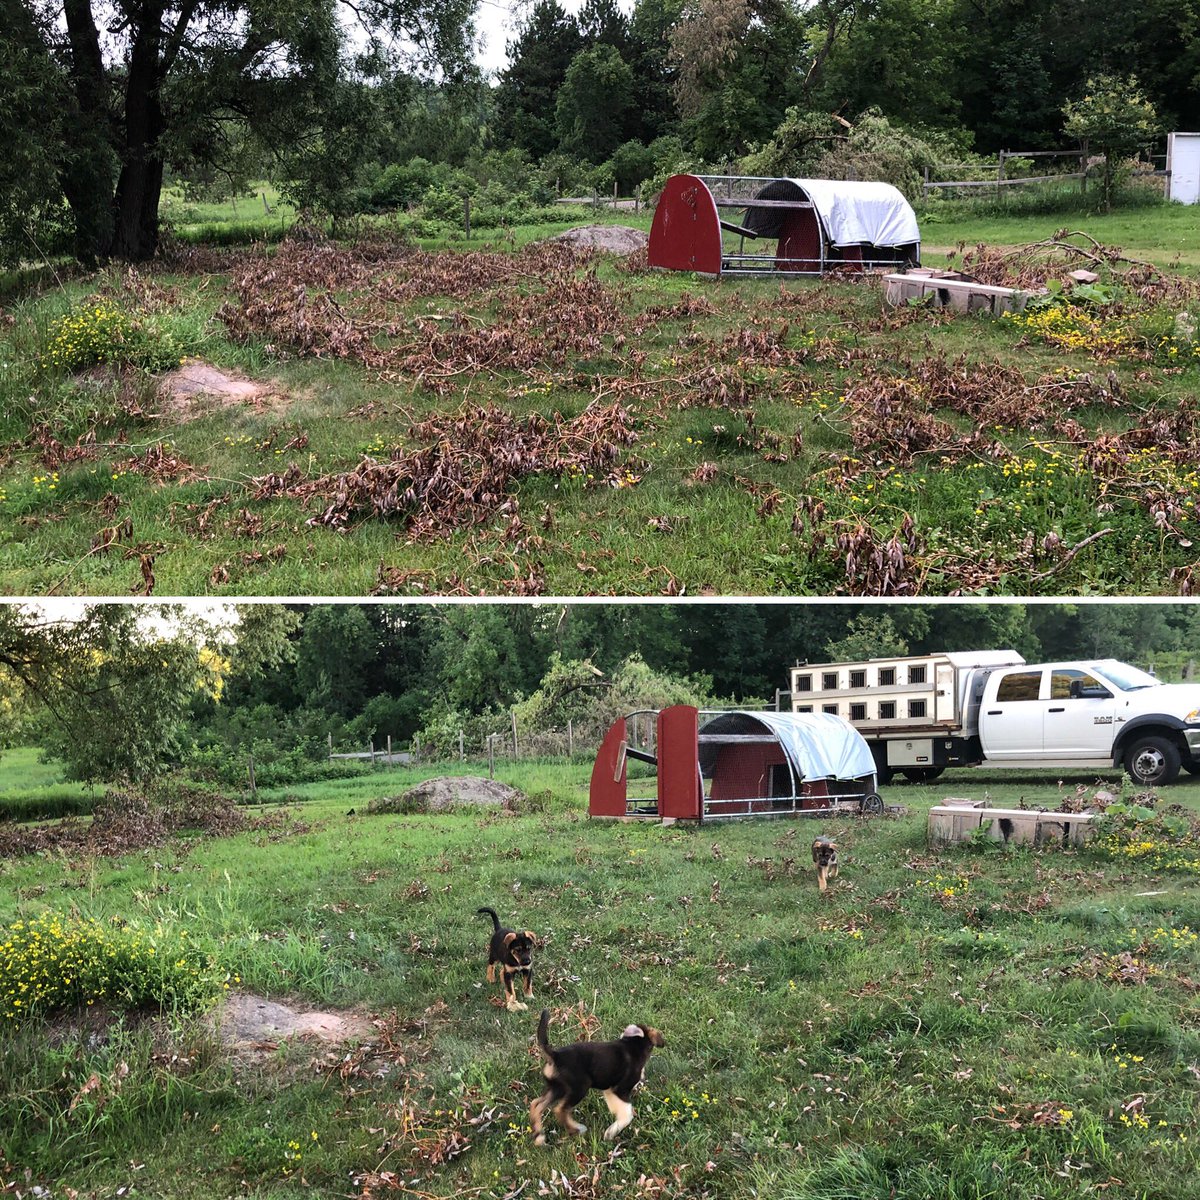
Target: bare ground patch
x=249, y=1023
x=197, y=388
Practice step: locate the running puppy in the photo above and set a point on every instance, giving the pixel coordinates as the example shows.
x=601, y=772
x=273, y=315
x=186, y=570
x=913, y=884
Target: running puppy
x=824, y=854
x=512, y=953
x=572, y=1071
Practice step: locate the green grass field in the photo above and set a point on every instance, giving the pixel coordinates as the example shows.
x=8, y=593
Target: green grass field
x=689, y=436
x=34, y=790
x=946, y=1025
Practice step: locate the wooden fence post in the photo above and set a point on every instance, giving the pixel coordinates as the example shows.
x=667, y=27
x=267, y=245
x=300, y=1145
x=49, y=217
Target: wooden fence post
x=513, y=714
x=329, y=738
x=253, y=785
x=491, y=757
x=389, y=750
x=372, y=745
x=467, y=215
x=461, y=755
x=1083, y=161
x=416, y=747
x=570, y=740
x=1000, y=173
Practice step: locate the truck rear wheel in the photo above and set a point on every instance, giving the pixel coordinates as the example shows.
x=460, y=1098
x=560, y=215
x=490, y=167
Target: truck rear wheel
x=1152, y=761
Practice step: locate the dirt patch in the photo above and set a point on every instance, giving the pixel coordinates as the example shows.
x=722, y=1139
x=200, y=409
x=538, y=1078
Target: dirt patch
x=611, y=239
x=197, y=388
x=249, y=1022
x=451, y=791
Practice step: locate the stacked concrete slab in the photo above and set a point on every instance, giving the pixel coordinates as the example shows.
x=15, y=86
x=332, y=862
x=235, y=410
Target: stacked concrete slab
x=960, y=821
x=951, y=289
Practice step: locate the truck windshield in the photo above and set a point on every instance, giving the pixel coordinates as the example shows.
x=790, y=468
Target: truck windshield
x=1125, y=677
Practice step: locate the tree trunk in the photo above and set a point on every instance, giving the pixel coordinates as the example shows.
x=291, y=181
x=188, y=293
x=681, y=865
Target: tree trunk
x=135, y=206
x=87, y=174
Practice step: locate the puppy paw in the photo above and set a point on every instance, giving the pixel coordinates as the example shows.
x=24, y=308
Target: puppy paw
x=611, y=1132
x=516, y=1006
x=579, y=1128
x=540, y=1140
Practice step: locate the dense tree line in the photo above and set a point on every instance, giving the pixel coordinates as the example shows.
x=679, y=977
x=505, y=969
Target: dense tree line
x=123, y=691
x=106, y=100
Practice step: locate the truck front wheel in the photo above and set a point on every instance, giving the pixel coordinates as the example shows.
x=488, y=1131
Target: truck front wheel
x=1152, y=761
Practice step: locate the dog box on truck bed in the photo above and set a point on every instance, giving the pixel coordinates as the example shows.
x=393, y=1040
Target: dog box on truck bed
x=919, y=713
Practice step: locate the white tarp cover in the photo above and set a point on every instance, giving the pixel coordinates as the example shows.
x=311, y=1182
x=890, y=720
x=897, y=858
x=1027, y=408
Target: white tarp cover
x=853, y=212
x=818, y=745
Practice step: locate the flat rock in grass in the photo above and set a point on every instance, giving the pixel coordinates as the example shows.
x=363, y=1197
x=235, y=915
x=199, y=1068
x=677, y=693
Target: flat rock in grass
x=611, y=239
x=247, y=1020
x=199, y=386
x=452, y=791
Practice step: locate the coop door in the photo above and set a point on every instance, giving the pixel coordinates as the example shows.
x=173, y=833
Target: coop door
x=780, y=781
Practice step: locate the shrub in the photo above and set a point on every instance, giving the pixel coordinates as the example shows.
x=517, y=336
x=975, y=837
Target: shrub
x=55, y=962
x=97, y=332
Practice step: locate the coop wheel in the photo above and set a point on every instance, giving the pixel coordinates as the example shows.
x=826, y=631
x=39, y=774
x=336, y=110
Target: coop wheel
x=1152, y=761
x=872, y=805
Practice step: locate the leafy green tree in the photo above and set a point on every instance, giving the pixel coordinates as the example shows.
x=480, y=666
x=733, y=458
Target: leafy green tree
x=602, y=23
x=734, y=66
x=650, y=26
x=141, y=84
x=593, y=103
x=336, y=645
x=32, y=213
x=113, y=685
x=1114, y=117
x=527, y=90
x=872, y=634
x=897, y=56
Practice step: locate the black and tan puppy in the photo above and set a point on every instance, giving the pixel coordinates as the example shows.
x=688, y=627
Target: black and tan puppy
x=510, y=951
x=615, y=1068
x=824, y=854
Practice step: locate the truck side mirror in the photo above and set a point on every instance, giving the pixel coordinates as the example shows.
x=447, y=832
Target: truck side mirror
x=1093, y=691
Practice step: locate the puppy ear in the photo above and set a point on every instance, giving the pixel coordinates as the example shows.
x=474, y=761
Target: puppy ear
x=509, y=938
x=633, y=1031
x=531, y=937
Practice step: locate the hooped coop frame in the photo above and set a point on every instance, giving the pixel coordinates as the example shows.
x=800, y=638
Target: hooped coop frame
x=733, y=764
x=817, y=225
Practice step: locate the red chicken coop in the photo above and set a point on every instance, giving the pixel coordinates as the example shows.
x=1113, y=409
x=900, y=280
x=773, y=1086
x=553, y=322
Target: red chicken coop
x=713, y=765
x=804, y=226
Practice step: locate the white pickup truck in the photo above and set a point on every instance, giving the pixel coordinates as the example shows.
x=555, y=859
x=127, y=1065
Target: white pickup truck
x=924, y=713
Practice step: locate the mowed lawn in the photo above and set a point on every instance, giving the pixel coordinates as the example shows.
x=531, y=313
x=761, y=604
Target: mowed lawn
x=508, y=419
x=940, y=1025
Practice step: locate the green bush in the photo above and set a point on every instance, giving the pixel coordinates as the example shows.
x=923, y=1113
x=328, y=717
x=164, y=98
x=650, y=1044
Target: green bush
x=55, y=962
x=98, y=332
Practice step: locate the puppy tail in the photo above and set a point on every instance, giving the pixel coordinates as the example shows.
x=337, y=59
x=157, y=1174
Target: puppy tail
x=491, y=912
x=543, y=1040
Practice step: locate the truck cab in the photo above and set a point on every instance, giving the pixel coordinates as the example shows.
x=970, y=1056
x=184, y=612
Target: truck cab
x=1070, y=713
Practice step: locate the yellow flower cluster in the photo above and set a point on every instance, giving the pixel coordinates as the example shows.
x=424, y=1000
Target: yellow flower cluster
x=687, y=1108
x=1161, y=855
x=946, y=886
x=54, y=962
x=1071, y=328
x=97, y=332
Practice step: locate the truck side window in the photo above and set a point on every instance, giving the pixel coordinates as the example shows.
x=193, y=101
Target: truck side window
x=1020, y=685
x=1067, y=684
